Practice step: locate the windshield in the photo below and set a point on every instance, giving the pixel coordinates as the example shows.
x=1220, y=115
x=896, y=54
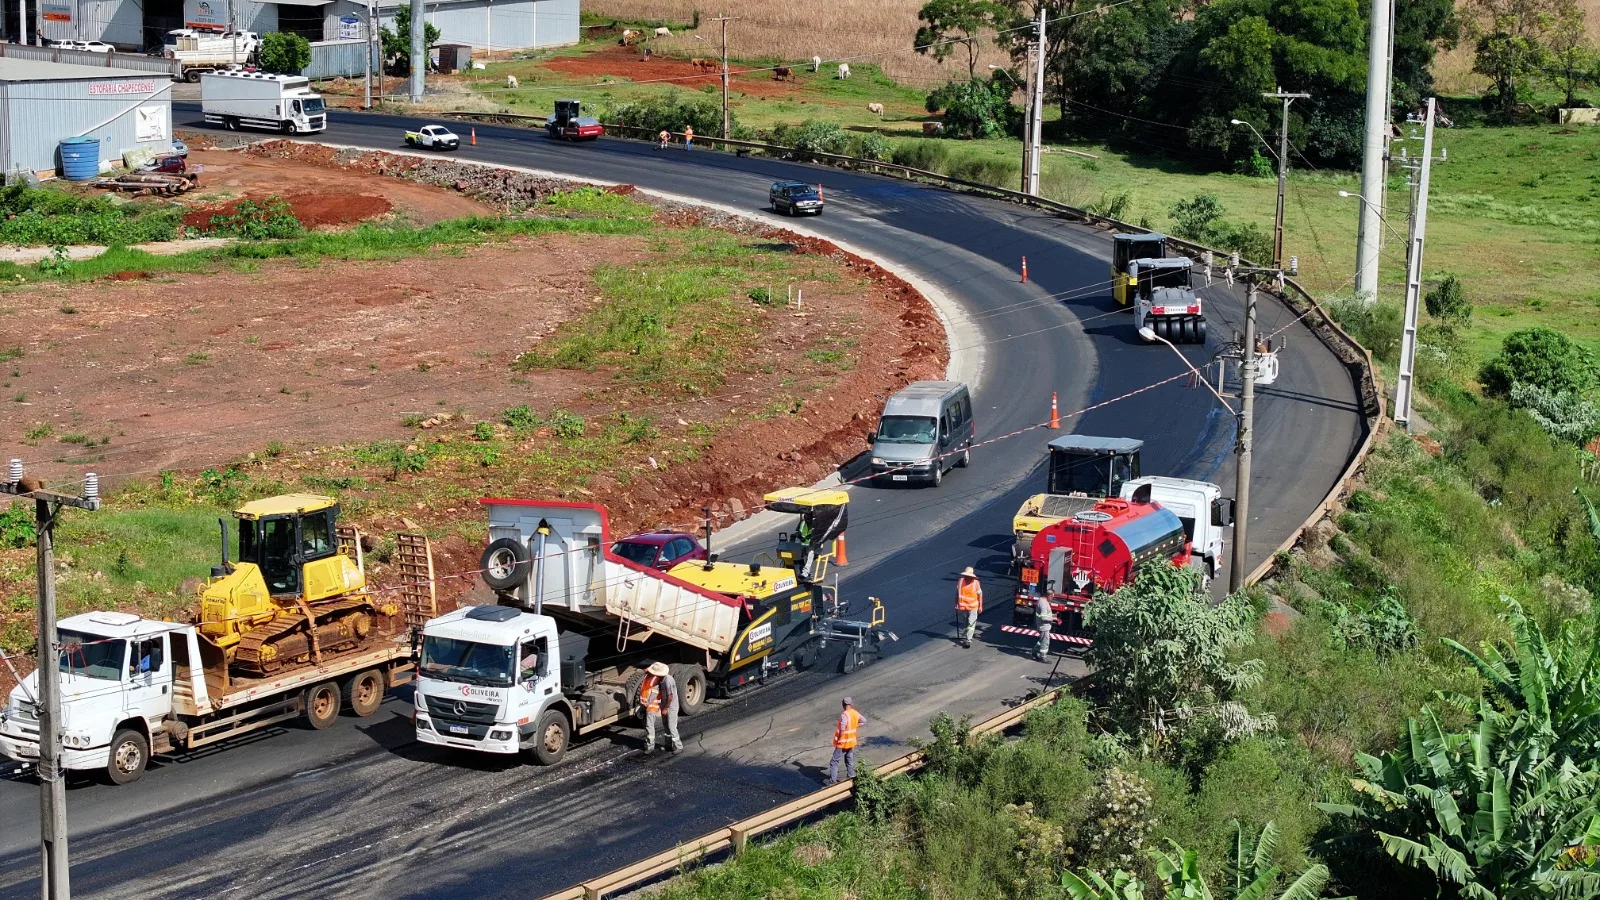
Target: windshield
x=1165, y=277
x=314, y=106
x=643, y=554
x=91, y=656
x=467, y=661
x=1090, y=475
x=907, y=430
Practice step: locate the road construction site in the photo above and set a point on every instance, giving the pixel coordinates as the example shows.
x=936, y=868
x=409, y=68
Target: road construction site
x=419, y=821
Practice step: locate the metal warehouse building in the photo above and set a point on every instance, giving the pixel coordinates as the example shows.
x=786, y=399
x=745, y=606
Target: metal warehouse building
x=140, y=24
x=43, y=102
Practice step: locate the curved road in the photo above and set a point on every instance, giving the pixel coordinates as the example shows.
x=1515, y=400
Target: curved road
x=361, y=810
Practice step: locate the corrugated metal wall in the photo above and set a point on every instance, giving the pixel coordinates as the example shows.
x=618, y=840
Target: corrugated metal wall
x=507, y=24
x=38, y=114
x=88, y=58
x=338, y=59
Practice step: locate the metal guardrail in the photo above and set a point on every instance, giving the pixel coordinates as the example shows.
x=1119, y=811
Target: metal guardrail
x=135, y=61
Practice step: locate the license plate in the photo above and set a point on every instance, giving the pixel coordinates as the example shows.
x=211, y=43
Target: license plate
x=458, y=729
x=900, y=477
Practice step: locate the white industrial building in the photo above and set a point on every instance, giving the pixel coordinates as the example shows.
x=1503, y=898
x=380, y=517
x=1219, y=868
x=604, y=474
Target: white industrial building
x=140, y=24
x=42, y=103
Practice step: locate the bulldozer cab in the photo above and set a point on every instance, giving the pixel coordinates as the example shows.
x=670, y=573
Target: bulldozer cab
x=823, y=517
x=291, y=539
x=1086, y=466
x=1125, y=249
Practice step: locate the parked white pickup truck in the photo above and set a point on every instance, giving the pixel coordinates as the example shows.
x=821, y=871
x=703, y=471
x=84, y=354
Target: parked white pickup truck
x=433, y=137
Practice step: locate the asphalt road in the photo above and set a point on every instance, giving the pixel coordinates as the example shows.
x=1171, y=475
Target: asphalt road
x=361, y=810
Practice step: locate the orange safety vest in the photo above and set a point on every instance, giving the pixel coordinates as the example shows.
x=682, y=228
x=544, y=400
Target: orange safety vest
x=969, y=595
x=844, y=732
x=650, y=693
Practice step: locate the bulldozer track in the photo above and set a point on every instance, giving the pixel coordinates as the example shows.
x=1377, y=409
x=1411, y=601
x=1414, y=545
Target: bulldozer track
x=248, y=656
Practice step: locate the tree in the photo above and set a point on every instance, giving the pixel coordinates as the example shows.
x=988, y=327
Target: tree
x=1544, y=358
x=284, y=54
x=947, y=24
x=397, y=41
x=1421, y=29
x=1509, y=48
x=1570, y=62
x=974, y=108
x=1448, y=302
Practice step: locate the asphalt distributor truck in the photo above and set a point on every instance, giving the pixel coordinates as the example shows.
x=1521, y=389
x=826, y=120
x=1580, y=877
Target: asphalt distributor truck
x=563, y=651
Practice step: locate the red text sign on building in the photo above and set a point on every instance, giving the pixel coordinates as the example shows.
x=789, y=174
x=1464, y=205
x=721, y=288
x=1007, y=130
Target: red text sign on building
x=122, y=87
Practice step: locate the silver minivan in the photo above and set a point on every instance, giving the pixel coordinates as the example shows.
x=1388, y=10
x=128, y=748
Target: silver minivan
x=926, y=429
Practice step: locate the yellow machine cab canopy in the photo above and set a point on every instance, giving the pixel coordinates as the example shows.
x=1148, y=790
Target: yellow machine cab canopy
x=737, y=580
x=822, y=511
x=1125, y=248
x=281, y=534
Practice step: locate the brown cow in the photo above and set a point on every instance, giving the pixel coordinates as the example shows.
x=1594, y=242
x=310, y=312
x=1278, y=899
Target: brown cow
x=783, y=73
x=704, y=65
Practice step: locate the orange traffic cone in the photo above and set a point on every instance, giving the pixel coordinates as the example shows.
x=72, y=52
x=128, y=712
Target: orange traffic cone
x=1055, y=415
x=839, y=556
x=1024, y=270
x=474, y=137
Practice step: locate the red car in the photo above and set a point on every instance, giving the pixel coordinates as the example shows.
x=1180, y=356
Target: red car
x=660, y=549
x=167, y=165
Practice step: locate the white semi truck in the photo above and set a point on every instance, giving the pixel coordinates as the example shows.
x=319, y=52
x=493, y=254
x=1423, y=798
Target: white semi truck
x=282, y=103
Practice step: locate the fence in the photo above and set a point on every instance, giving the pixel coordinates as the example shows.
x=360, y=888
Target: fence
x=135, y=61
x=339, y=59
x=1358, y=363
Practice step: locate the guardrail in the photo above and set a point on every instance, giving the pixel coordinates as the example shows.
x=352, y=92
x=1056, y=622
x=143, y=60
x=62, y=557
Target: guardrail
x=1357, y=360
x=135, y=61
x=733, y=838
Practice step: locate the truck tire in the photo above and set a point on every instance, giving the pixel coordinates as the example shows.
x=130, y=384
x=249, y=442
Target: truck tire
x=363, y=693
x=1188, y=331
x=230, y=122
x=130, y=752
x=550, y=739
x=193, y=76
x=322, y=704
x=1200, y=331
x=505, y=564
x=630, y=700
x=286, y=127
x=691, y=679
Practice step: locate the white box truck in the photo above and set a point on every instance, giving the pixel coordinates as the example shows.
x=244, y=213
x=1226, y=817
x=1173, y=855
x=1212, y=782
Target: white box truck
x=283, y=103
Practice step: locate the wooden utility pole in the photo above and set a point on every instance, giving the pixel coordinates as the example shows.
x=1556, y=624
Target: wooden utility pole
x=54, y=880
x=1247, y=406
x=725, y=19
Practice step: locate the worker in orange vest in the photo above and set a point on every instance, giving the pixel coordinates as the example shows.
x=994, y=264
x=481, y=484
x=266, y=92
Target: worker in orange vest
x=969, y=602
x=658, y=694
x=844, y=742
x=688, y=137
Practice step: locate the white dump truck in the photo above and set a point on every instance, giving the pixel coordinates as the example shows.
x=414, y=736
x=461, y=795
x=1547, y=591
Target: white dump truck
x=564, y=650
x=282, y=103
x=200, y=52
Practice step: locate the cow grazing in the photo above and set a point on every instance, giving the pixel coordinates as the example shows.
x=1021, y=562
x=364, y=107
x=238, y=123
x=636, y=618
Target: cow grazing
x=704, y=65
x=783, y=73
x=933, y=129
x=844, y=70
x=816, y=63
x=663, y=32
x=628, y=35
x=511, y=81
x=875, y=108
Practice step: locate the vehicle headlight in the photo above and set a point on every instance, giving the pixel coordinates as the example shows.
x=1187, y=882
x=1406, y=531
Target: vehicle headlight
x=75, y=739
x=878, y=461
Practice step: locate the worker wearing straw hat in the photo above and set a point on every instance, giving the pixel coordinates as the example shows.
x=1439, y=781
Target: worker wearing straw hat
x=658, y=694
x=969, y=602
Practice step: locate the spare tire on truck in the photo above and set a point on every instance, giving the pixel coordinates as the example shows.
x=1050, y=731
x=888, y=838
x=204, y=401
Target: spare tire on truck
x=505, y=564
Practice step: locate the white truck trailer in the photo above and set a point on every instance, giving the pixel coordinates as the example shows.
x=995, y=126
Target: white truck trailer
x=283, y=103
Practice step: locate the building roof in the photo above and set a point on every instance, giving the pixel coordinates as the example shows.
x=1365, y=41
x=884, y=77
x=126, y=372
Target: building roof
x=14, y=70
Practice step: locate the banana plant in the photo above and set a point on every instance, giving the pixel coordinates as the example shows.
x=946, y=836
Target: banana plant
x=1250, y=874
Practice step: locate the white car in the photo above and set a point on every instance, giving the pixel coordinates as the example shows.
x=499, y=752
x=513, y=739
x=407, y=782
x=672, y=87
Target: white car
x=433, y=137
x=96, y=47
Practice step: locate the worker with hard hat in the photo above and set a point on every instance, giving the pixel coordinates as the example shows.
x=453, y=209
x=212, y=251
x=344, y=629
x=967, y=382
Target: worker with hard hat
x=845, y=738
x=969, y=602
x=658, y=695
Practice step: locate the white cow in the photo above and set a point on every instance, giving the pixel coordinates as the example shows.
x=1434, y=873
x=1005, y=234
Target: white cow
x=816, y=63
x=628, y=34
x=511, y=81
x=844, y=70
x=875, y=108
x=663, y=32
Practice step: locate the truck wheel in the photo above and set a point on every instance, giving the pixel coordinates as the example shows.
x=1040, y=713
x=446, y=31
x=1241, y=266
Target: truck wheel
x=691, y=681
x=1200, y=331
x=363, y=694
x=550, y=740
x=630, y=700
x=286, y=127
x=230, y=122
x=505, y=564
x=129, y=754
x=322, y=704
x=1187, y=327
x=192, y=76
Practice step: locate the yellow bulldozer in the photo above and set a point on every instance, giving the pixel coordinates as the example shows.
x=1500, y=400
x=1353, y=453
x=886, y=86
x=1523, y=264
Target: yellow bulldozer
x=297, y=590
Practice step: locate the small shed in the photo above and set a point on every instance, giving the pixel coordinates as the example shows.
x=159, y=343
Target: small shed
x=454, y=58
x=42, y=103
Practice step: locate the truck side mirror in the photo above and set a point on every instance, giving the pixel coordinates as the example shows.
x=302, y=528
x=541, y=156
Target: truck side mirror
x=1222, y=511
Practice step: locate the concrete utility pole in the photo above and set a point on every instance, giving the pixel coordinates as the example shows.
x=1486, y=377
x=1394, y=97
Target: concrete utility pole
x=1036, y=132
x=1283, y=170
x=54, y=879
x=372, y=37
x=233, y=34
x=1247, y=405
x=1370, y=234
x=419, y=53
x=725, y=19
x=1405, y=382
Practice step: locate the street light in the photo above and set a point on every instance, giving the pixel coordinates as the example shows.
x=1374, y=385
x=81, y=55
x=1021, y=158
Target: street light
x=1027, y=155
x=1257, y=134
x=1149, y=334
x=1283, y=165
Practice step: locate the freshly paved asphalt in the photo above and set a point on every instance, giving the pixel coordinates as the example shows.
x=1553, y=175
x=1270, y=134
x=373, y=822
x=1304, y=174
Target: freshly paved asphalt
x=361, y=810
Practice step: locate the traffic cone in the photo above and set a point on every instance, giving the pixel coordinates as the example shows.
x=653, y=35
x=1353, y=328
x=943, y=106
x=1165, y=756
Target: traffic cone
x=1055, y=415
x=839, y=556
x=474, y=137
x=1024, y=270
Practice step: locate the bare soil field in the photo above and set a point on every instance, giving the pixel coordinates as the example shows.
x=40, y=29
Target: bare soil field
x=626, y=62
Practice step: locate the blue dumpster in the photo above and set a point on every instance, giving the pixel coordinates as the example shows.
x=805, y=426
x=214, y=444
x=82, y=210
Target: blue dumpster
x=80, y=158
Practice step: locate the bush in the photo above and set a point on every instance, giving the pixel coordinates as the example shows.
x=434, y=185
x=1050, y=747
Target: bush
x=1376, y=326
x=46, y=217
x=1544, y=358
x=1448, y=302
x=1193, y=219
x=812, y=136
x=284, y=54
x=975, y=108
x=671, y=112
x=16, y=526
x=271, y=218
x=922, y=154
x=871, y=146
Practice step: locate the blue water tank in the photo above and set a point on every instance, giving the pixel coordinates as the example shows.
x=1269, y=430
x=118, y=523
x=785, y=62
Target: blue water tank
x=80, y=158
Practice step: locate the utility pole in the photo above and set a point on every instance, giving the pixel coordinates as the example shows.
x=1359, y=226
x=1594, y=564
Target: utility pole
x=419, y=53
x=1283, y=170
x=1036, y=131
x=233, y=34
x=1247, y=404
x=372, y=39
x=725, y=19
x=1405, y=382
x=54, y=878
x=1369, y=237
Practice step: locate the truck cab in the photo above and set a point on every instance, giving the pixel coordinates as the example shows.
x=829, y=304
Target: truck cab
x=1202, y=509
